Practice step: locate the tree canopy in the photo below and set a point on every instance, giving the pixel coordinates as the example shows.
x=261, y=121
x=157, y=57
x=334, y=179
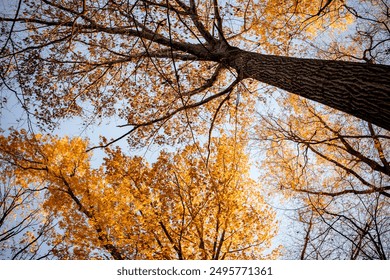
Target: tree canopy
x=337, y=173
x=178, y=208
x=162, y=60
x=207, y=82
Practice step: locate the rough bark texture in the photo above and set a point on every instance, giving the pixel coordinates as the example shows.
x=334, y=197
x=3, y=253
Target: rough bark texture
x=359, y=89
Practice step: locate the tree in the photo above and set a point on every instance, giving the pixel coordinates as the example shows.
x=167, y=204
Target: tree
x=181, y=207
x=358, y=230
x=24, y=228
x=161, y=58
x=337, y=171
x=180, y=72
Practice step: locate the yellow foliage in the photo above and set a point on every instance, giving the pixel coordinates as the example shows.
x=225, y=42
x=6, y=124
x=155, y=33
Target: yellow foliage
x=198, y=203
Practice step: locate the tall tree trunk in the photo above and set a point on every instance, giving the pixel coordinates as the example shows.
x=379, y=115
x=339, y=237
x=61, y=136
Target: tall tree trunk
x=359, y=89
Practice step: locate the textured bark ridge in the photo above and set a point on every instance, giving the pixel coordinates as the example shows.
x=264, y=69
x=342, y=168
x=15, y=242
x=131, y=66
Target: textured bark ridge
x=359, y=89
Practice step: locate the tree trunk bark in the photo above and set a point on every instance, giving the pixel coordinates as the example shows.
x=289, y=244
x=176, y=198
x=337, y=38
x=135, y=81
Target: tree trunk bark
x=359, y=89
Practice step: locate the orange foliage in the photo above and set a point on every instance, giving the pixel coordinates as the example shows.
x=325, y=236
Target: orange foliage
x=183, y=206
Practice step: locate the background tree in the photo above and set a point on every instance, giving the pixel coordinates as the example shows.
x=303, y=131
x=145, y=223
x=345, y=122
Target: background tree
x=337, y=171
x=358, y=230
x=219, y=209
x=181, y=207
x=24, y=228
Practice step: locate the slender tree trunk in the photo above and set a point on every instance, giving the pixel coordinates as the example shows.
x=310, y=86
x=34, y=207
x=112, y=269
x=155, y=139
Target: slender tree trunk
x=359, y=89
